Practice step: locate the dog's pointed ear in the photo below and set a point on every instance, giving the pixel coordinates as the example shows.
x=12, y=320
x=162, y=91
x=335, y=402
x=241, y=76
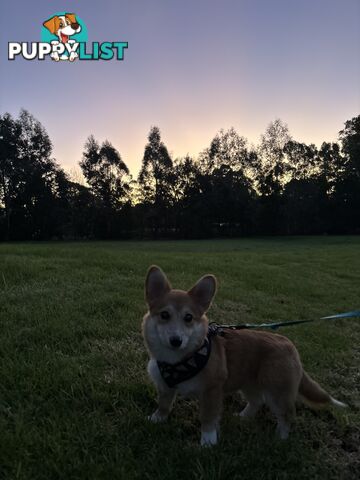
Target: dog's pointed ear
x=156, y=285
x=71, y=17
x=52, y=24
x=203, y=292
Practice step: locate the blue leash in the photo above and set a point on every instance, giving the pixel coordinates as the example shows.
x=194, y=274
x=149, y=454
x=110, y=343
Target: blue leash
x=354, y=314
x=274, y=326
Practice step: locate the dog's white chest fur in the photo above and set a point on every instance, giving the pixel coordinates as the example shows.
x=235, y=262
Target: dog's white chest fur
x=188, y=388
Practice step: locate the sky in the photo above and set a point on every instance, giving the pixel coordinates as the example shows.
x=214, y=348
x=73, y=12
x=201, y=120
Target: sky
x=192, y=67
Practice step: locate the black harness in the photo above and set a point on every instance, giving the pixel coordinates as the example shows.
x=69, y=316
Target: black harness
x=175, y=373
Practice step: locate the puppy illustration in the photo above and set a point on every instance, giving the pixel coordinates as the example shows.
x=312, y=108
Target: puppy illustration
x=189, y=357
x=63, y=26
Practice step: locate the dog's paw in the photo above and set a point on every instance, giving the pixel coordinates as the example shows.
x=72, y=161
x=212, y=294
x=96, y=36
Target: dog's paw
x=283, y=431
x=208, y=439
x=156, y=417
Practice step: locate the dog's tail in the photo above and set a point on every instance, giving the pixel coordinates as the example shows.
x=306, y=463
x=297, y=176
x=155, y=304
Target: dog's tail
x=313, y=395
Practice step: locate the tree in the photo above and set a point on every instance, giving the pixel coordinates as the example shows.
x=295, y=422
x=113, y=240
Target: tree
x=82, y=212
x=155, y=180
x=108, y=179
x=302, y=160
x=9, y=134
x=186, y=175
x=229, y=149
x=187, y=197
x=350, y=141
x=156, y=170
x=27, y=177
x=227, y=170
x=272, y=175
x=331, y=167
x=273, y=166
x=347, y=192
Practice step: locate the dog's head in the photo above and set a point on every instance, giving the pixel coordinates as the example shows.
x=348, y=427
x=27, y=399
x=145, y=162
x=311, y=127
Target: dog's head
x=63, y=26
x=176, y=320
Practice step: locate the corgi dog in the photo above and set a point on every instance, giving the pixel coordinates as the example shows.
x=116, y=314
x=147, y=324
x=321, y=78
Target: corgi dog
x=186, y=357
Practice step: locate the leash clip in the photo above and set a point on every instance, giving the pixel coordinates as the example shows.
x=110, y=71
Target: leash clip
x=215, y=329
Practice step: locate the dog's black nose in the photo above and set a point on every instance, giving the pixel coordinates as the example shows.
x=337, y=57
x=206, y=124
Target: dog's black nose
x=75, y=26
x=175, y=341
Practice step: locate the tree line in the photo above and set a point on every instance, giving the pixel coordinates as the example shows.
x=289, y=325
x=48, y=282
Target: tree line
x=278, y=187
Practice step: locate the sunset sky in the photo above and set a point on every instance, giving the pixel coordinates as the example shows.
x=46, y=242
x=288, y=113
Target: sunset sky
x=192, y=67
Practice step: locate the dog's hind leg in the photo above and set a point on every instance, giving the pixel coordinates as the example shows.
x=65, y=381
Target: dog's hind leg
x=284, y=411
x=283, y=427
x=251, y=409
x=255, y=401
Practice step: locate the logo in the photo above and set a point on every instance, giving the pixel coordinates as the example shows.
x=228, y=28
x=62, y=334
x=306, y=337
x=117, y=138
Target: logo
x=64, y=37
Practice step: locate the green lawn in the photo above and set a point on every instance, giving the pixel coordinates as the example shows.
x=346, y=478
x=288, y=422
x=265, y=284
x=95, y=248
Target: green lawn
x=74, y=393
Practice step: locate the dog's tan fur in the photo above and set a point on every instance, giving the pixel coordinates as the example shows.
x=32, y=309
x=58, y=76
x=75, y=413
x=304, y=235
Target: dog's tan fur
x=266, y=367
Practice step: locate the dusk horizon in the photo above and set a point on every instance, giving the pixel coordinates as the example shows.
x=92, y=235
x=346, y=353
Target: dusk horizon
x=190, y=71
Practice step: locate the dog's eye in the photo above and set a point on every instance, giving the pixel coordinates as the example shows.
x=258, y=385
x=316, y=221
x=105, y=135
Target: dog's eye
x=188, y=318
x=165, y=315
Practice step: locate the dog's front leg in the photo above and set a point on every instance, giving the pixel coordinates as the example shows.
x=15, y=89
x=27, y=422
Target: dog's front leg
x=210, y=413
x=165, y=401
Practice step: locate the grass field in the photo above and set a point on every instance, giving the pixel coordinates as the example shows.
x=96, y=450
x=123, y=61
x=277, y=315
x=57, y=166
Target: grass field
x=74, y=393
